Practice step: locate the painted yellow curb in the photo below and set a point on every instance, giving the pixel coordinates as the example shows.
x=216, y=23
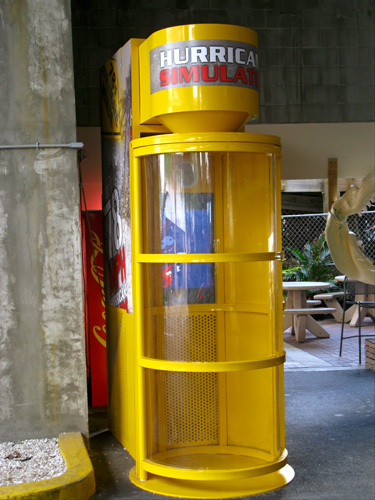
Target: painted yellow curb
x=78, y=482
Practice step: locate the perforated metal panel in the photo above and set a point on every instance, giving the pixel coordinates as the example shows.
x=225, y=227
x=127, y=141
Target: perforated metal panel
x=190, y=337
x=191, y=399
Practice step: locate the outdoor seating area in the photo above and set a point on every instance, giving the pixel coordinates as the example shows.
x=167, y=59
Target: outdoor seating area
x=299, y=309
x=324, y=353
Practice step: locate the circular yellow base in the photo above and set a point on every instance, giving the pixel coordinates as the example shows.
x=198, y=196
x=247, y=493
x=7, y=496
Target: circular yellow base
x=215, y=489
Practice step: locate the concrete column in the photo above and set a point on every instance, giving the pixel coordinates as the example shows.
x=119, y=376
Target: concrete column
x=42, y=350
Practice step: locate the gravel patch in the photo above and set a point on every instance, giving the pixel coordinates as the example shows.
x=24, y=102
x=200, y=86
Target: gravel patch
x=29, y=461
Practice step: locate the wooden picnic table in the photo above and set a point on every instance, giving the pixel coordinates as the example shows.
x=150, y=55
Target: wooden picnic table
x=298, y=314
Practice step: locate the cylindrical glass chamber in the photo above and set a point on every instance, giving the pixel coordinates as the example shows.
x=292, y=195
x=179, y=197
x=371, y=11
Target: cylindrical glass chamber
x=208, y=315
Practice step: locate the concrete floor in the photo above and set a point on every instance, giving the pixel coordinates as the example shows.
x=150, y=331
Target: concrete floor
x=330, y=428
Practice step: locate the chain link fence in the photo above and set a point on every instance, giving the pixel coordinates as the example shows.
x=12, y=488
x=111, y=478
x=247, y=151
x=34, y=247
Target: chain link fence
x=297, y=230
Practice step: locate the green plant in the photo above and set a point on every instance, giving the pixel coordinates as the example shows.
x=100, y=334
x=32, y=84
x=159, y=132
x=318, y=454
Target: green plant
x=313, y=263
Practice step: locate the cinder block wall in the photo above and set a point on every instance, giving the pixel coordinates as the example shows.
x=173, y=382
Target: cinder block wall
x=316, y=56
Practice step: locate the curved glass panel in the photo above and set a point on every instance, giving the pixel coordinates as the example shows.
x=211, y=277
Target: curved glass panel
x=209, y=322
x=204, y=203
x=208, y=203
x=227, y=311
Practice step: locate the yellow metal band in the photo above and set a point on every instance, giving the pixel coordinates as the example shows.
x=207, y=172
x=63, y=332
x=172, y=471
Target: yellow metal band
x=214, y=475
x=162, y=258
x=241, y=147
x=208, y=308
x=231, y=139
x=209, y=366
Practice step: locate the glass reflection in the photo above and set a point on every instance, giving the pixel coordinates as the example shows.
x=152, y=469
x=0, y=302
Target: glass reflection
x=186, y=226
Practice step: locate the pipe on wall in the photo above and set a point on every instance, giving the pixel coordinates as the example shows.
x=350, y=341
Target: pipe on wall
x=37, y=145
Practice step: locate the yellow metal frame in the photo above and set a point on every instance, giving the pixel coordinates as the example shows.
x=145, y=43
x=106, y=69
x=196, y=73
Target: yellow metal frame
x=199, y=107
x=214, y=475
x=121, y=366
x=197, y=258
x=153, y=126
x=148, y=473
x=140, y=380
x=238, y=142
x=210, y=366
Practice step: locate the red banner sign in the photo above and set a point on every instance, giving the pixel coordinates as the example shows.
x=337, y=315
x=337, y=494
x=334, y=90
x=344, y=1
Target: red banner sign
x=95, y=309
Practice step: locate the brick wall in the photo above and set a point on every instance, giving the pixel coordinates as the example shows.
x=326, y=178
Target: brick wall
x=316, y=56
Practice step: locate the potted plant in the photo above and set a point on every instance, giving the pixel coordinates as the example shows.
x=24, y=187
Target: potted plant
x=312, y=263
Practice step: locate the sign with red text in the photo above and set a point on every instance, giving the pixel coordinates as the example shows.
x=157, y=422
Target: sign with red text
x=95, y=308
x=204, y=62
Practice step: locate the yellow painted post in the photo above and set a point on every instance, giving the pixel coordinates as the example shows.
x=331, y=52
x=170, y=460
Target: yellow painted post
x=139, y=318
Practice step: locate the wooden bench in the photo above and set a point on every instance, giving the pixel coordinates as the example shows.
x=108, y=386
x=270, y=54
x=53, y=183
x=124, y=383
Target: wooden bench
x=304, y=320
x=311, y=302
x=330, y=300
x=311, y=310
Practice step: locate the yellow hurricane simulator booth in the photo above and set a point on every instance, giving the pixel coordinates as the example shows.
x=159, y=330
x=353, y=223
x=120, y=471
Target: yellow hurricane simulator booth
x=191, y=212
